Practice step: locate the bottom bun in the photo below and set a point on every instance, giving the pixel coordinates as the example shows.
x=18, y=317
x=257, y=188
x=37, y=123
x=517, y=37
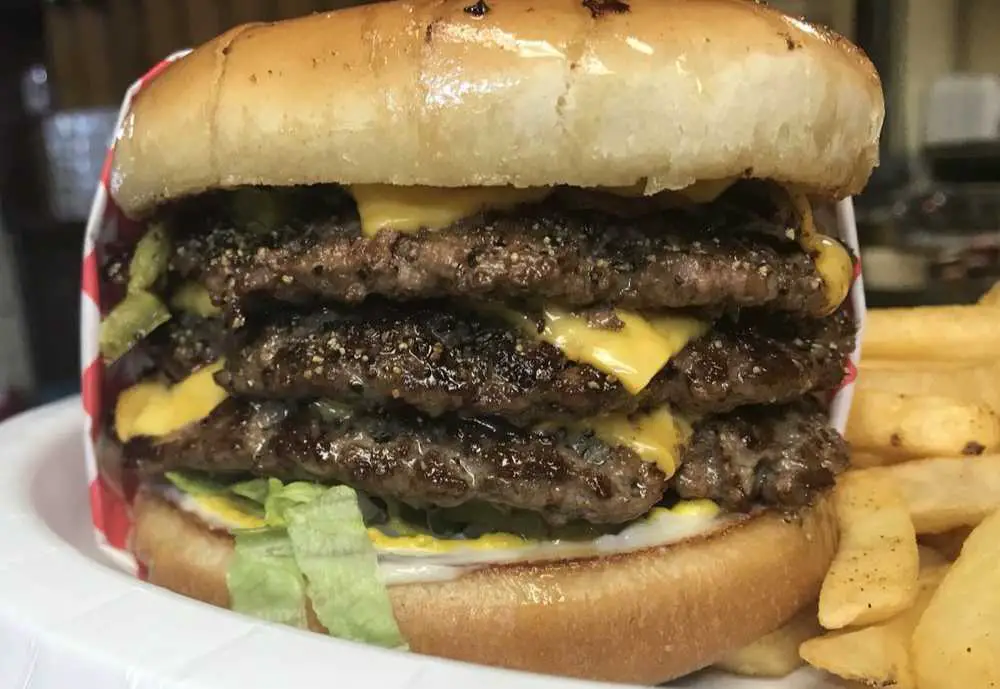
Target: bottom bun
x=643, y=617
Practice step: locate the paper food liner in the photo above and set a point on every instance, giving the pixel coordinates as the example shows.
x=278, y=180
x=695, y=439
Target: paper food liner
x=110, y=492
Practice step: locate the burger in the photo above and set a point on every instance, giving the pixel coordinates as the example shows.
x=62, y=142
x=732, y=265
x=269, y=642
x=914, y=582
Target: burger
x=497, y=331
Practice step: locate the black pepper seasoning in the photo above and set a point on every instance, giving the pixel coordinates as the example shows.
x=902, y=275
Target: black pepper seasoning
x=478, y=10
x=599, y=8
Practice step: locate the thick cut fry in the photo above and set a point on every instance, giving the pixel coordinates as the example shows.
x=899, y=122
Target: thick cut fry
x=777, y=654
x=956, y=645
x=951, y=333
x=873, y=576
x=914, y=426
x=992, y=297
x=878, y=655
x=944, y=494
x=948, y=543
x=977, y=383
x=912, y=365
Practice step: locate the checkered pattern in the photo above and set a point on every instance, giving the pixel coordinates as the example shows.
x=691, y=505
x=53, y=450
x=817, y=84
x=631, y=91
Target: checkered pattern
x=110, y=502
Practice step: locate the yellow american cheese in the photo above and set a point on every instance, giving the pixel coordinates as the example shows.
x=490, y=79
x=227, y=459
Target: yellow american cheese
x=228, y=511
x=633, y=354
x=426, y=543
x=656, y=436
x=407, y=209
x=832, y=261
x=155, y=409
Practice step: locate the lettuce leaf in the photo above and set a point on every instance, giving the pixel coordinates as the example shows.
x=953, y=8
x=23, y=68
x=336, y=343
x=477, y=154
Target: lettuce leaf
x=264, y=579
x=281, y=498
x=334, y=552
x=255, y=490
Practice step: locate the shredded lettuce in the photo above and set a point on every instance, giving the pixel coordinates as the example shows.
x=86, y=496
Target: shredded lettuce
x=255, y=490
x=334, y=552
x=314, y=549
x=264, y=579
x=281, y=499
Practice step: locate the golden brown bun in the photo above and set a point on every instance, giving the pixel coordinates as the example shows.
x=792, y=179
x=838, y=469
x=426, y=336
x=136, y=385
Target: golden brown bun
x=537, y=92
x=644, y=617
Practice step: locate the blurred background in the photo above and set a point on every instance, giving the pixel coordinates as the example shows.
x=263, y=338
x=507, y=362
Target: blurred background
x=930, y=220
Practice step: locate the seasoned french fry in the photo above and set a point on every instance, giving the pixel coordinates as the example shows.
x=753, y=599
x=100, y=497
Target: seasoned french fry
x=956, y=644
x=777, y=654
x=873, y=575
x=945, y=493
x=869, y=364
x=913, y=426
x=976, y=383
x=951, y=333
x=878, y=655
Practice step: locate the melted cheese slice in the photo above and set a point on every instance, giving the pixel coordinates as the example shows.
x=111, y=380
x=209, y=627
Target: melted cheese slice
x=155, y=409
x=407, y=209
x=832, y=261
x=222, y=512
x=633, y=354
x=657, y=436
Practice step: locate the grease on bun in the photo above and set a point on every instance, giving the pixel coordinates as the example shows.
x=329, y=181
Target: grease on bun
x=531, y=94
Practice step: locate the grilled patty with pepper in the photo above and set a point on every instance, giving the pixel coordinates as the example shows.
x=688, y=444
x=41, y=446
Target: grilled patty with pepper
x=440, y=353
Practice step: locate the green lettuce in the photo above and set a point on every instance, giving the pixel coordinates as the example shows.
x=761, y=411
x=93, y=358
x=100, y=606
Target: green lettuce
x=264, y=579
x=314, y=549
x=334, y=552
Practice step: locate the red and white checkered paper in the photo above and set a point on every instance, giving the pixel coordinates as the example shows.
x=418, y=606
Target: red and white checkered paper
x=110, y=499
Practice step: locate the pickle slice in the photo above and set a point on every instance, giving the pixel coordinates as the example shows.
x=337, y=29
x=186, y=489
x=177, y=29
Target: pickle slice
x=150, y=260
x=139, y=314
x=194, y=299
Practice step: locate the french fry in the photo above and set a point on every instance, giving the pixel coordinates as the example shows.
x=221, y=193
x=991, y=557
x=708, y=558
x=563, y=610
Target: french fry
x=976, y=383
x=878, y=655
x=873, y=575
x=992, y=296
x=950, y=333
x=945, y=493
x=956, y=644
x=871, y=364
x=913, y=426
x=777, y=654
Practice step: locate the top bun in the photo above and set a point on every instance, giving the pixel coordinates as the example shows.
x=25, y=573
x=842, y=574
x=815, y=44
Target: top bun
x=508, y=92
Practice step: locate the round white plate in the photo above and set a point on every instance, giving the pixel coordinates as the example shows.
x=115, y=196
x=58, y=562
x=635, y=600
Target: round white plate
x=69, y=618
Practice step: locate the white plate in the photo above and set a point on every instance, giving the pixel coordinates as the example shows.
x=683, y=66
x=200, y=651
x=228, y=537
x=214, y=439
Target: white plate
x=69, y=618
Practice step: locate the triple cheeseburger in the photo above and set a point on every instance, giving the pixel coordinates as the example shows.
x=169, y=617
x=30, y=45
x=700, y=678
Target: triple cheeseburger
x=499, y=331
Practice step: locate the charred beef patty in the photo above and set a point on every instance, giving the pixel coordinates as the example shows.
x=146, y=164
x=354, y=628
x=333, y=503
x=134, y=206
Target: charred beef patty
x=186, y=343
x=757, y=455
x=441, y=361
x=778, y=455
x=416, y=461
x=683, y=257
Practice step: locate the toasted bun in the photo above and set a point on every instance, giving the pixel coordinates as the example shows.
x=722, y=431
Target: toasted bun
x=644, y=617
x=534, y=93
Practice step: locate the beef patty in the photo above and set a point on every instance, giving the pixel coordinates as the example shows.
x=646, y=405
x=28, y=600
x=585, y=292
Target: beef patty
x=441, y=361
x=697, y=256
x=757, y=455
x=790, y=453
